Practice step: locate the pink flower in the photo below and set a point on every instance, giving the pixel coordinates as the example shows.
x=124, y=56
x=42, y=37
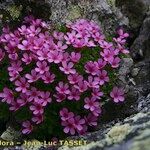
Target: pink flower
x=75, y=57
x=23, y=30
x=26, y=58
x=122, y=49
x=48, y=77
x=101, y=63
x=22, y=85
x=58, y=35
x=44, y=25
x=33, y=94
x=14, y=41
x=65, y=57
x=62, y=88
x=79, y=43
x=2, y=54
x=33, y=76
x=25, y=45
x=89, y=43
x=81, y=86
x=42, y=55
x=67, y=68
x=122, y=34
x=91, y=68
x=78, y=123
x=107, y=55
x=117, y=94
x=13, y=75
x=14, y=106
x=13, y=56
x=7, y=95
x=65, y=114
x=22, y=100
x=60, y=47
x=27, y=127
x=102, y=75
x=6, y=29
x=93, y=27
x=60, y=97
x=74, y=78
x=114, y=51
x=119, y=40
x=36, y=22
x=37, y=109
x=38, y=44
x=38, y=119
x=97, y=111
x=15, y=66
x=70, y=37
x=74, y=94
x=32, y=30
x=69, y=126
x=45, y=98
x=115, y=62
x=55, y=56
x=41, y=67
x=5, y=38
x=28, y=19
x=91, y=120
x=96, y=93
x=83, y=131
x=9, y=49
x=92, y=82
x=98, y=37
x=105, y=45
x=91, y=103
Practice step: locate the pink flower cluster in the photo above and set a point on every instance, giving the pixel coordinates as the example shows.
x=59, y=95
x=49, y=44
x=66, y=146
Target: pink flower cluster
x=33, y=45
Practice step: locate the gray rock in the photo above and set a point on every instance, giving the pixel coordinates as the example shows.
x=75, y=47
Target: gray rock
x=141, y=46
x=98, y=10
x=142, y=79
x=144, y=104
x=62, y=11
x=135, y=10
x=124, y=70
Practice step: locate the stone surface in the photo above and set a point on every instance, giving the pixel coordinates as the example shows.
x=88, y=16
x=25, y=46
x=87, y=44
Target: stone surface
x=142, y=79
x=140, y=49
x=135, y=10
x=62, y=11
x=98, y=10
x=124, y=70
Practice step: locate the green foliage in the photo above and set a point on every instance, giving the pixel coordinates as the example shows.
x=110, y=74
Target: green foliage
x=4, y=111
x=87, y=54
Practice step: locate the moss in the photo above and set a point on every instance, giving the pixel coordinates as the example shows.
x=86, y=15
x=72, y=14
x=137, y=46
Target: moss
x=14, y=11
x=111, y=2
x=74, y=12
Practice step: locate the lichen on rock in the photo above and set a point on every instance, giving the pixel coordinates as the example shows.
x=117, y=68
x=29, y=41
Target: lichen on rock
x=118, y=133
